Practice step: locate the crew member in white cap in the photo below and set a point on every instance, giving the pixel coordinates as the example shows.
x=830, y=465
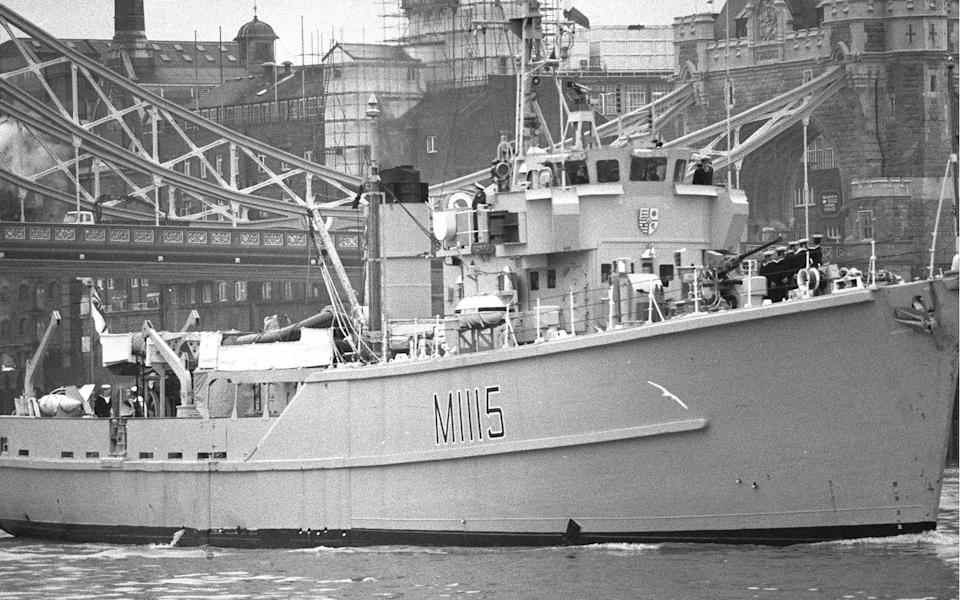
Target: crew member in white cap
x=101, y=402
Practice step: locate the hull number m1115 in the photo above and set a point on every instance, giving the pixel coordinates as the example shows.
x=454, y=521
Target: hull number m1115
x=461, y=418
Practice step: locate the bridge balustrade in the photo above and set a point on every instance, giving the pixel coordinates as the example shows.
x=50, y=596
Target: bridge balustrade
x=167, y=239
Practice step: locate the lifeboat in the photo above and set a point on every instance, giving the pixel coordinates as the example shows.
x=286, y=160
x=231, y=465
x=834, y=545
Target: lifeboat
x=481, y=311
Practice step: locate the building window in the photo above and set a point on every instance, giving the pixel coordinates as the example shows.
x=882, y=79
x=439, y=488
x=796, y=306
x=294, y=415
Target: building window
x=5, y=328
x=933, y=83
x=740, y=28
x=832, y=232
x=865, y=224
x=23, y=327
x=24, y=293
x=266, y=290
x=411, y=73
x=240, y=290
x=192, y=295
x=134, y=283
x=186, y=168
x=634, y=99
x=798, y=198
x=284, y=166
x=110, y=284
x=206, y=293
x=222, y=294
x=431, y=144
x=287, y=290
x=261, y=162
x=308, y=155
x=551, y=278
x=220, y=165
x=144, y=283
x=534, y=281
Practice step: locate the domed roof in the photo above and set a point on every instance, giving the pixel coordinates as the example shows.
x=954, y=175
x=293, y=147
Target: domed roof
x=255, y=29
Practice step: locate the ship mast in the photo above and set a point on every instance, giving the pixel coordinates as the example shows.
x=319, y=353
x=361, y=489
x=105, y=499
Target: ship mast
x=532, y=61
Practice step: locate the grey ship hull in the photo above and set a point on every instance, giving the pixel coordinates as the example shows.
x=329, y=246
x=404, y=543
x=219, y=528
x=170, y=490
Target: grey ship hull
x=802, y=421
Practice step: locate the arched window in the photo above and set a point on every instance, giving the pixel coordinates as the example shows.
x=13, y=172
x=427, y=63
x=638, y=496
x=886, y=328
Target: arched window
x=24, y=294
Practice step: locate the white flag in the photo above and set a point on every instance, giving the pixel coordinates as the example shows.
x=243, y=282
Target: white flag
x=96, y=311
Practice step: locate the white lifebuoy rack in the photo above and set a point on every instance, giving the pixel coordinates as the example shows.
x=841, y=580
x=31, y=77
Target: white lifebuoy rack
x=808, y=279
x=459, y=201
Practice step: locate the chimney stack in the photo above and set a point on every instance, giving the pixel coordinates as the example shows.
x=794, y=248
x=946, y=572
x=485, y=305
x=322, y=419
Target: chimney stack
x=129, y=54
x=128, y=21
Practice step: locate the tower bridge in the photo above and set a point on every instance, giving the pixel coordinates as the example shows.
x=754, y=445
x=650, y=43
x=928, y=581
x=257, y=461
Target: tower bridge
x=866, y=87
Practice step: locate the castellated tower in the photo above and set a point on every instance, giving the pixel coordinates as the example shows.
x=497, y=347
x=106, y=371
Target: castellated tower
x=900, y=57
x=878, y=147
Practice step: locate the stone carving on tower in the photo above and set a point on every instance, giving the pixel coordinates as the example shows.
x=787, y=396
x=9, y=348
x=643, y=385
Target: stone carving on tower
x=766, y=19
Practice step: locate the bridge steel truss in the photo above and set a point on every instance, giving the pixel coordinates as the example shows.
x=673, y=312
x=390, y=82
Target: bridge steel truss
x=122, y=141
x=769, y=119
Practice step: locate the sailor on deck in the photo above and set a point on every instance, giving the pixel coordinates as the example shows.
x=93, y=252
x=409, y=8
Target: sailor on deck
x=765, y=270
x=101, y=405
x=801, y=253
x=778, y=271
x=816, y=251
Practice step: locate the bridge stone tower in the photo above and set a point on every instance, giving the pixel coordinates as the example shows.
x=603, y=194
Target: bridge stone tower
x=879, y=147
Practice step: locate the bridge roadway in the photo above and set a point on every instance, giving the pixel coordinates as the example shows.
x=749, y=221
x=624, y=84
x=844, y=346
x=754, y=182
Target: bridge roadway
x=165, y=252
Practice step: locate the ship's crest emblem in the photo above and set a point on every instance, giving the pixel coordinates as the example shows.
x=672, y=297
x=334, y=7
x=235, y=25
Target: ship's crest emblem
x=648, y=219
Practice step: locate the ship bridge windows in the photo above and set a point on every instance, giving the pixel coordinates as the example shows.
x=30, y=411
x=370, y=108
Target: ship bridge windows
x=608, y=171
x=648, y=168
x=576, y=171
x=679, y=170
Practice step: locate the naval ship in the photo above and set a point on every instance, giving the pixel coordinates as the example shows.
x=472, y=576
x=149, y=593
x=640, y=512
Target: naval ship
x=613, y=370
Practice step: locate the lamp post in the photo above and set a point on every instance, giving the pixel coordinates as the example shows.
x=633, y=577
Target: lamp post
x=376, y=283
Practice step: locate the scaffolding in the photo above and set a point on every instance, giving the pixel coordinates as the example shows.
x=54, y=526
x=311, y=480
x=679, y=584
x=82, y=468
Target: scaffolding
x=355, y=72
x=460, y=42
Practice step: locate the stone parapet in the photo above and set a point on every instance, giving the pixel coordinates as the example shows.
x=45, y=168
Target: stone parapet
x=881, y=187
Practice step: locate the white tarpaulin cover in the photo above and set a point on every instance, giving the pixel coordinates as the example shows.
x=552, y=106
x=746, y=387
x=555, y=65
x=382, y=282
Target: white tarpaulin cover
x=117, y=348
x=314, y=349
x=209, y=350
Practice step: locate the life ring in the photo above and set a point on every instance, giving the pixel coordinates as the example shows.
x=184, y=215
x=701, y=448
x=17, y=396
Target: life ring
x=501, y=171
x=459, y=201
x=808, y=279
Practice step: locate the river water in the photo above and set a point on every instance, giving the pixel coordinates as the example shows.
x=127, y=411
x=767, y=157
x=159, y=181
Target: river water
x=908, y=567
